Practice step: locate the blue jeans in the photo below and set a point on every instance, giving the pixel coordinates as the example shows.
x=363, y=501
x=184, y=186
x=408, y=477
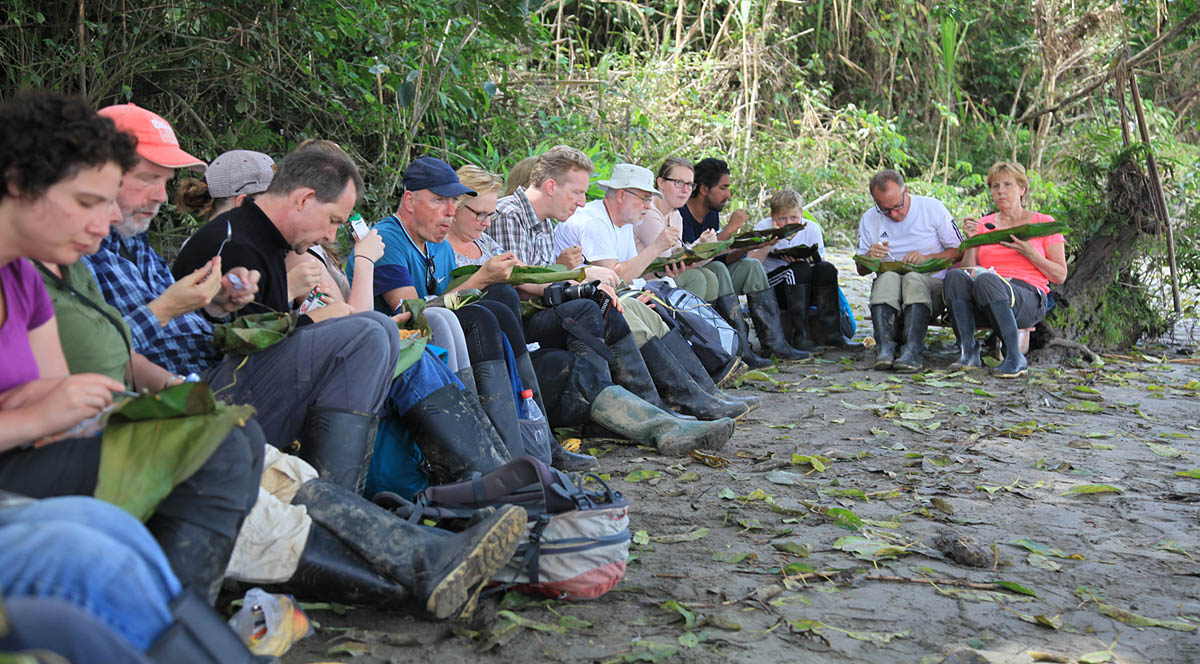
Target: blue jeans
x=90, y=554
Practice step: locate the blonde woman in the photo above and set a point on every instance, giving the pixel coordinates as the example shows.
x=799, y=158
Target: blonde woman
x=1015, y=278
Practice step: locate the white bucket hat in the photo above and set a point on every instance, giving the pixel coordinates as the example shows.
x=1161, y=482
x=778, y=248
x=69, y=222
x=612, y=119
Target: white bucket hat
x=631, y=176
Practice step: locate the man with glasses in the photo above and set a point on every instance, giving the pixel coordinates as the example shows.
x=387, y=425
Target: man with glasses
x=604, y=227
x=911, y=229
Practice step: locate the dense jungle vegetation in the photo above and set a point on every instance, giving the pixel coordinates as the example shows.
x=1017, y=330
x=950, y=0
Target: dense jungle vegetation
x=813, y=94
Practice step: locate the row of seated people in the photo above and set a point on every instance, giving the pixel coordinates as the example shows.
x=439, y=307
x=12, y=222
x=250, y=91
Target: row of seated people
x=86, y=185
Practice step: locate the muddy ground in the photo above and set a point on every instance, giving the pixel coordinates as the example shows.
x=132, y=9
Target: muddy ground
x=767, y=573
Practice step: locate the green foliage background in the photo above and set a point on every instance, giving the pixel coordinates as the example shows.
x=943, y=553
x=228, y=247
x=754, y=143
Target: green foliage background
x=813, y=95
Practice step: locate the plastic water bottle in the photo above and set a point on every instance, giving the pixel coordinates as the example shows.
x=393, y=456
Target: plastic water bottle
x=535, y=431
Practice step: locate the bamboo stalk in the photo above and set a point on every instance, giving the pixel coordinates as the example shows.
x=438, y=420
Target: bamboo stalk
x=82, y=59
x=1159, y=197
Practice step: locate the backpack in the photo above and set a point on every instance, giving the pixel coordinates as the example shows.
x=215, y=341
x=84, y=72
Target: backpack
x=712, y=338
x=577, y=539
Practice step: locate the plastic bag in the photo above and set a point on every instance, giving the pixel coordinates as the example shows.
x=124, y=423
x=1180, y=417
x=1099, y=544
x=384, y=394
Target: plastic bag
x=269, y=624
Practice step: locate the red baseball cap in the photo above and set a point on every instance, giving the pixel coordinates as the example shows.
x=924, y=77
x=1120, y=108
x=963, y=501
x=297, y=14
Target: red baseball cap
x=156, y=140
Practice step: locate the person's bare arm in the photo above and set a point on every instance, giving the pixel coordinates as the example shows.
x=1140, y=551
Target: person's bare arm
x=147, y=375
x=736, y=220
x=397, y=295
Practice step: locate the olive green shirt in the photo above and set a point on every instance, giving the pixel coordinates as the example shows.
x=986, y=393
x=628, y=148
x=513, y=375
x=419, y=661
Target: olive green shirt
x=91, y=343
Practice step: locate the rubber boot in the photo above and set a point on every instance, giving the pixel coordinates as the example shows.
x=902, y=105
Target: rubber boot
x=339, y=443
x=682, y=351
x=560, y=457
x=494, y=387
x=471, y=394
x=443, y=571
x=962, y=319
x=679, y=390
x=1014, y=364
x=199, y=635
x=629, y=370
x=796, y=316
x=829, y=319
x=916, y=323
x=730, y=372
x=883, y=318
x=330, y=570
x=451, y=437
x=731, y=310
x=764, y=311
x=198, y=556
x=624, y=413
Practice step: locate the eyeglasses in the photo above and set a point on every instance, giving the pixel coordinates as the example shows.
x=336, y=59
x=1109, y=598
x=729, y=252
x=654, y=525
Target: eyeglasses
x=682, y=184
x=479, y=216
x=886, y=211
x=644, y=199
x=431, y=282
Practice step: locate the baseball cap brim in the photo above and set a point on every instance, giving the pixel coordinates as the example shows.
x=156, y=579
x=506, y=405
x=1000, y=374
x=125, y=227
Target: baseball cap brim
x=452, y=189
x=170, y=157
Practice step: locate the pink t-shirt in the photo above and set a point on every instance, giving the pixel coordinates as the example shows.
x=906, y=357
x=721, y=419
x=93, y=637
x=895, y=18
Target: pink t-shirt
x=1009, y=263
x=27, y=306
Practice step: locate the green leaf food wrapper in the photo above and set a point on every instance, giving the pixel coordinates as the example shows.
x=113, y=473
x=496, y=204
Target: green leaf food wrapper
x=700, y=251
x=523, y=274
x=153, y=442
x=250, y=334
x=802, y=251
x=751, y=239
x=879, y=267
x=1024, y=232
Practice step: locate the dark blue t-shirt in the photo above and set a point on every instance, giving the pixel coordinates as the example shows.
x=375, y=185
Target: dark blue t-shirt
x=403, y=264
x=692, y=229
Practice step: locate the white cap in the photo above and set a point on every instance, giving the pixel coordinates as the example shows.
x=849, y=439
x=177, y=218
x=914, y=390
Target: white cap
x=631, y=176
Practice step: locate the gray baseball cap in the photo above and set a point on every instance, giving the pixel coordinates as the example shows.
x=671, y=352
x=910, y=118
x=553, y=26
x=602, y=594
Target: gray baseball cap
x=239, y=172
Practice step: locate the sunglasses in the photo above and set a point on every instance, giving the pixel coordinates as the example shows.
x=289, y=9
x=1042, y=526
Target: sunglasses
x=431, y=282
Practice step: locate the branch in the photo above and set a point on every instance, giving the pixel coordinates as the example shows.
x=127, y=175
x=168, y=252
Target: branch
x=1128, y=63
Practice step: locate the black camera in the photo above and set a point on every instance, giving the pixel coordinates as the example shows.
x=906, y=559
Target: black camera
x=562, y=291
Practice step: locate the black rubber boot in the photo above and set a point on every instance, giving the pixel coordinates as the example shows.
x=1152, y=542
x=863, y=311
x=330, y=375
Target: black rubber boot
x=199, y=635
x=682, y=351
x=731, y=310
x=796, y=316
x=494, y=386
x=443, y=571
x=1014, y=364
x=471, y=395
x=622, y=412
x=829, y=319
x=764, y=311
x=329, y=570
x=883, y=318
x=629, y=370
x=560, y=457
x=198, y=556
x=962, y=316
x=339, y=444
x=916, y=323
x=679, y=390
x=451, y=437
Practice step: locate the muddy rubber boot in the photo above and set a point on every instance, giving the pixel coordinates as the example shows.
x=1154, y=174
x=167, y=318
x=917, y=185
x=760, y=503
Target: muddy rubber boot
x=962, y=319
x=682, y=351
x=199, y=635
x=916, y=324
x=624, y=413
x=471, y=394
x=494, y=386
x=731, y=310
x=1014, y=364
x=338, y=444
x=451, y=437
x=629, y=370
x=198, y=556
x=764, y=311
x=442, y=570
x=796, y=316
x=560, y=457
x=883, y=318
x=330, y=570
x=679, y=390
x=829, y=319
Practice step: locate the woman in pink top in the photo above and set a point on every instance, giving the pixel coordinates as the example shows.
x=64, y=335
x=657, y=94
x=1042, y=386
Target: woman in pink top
x=676, y=181
x=1007, y=282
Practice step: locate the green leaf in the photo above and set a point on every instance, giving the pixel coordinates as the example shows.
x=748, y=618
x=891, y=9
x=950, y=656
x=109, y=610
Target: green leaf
x=1096, y=657
x=1093, y=488
x=642, y=474
x=818, y=462
x=733, y=557
x=794, y=548
x=1023, y=231
x=689, y=617
x=726, y=494
x=1193, y=473
x=691, y=536
x=689, y=639
x=1165, y=451
x=1100, y=434
x=1130, y=618
x=1042, y=562
x=1042, y=549
x=866, y=549
x=1015, y=587
x=980, y=392
x=816, y=627
x=531, y=624
x=844, y=518
x=1085, y=407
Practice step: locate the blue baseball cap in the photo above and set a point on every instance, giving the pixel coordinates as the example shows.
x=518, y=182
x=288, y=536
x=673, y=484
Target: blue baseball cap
x=435, y=175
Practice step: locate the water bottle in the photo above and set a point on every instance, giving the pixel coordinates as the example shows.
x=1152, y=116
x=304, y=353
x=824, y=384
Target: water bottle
x=535, y=431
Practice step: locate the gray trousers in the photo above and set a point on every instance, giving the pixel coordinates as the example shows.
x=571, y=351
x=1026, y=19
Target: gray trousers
x=344, y=363
x=1026, y=301
x=900, y=290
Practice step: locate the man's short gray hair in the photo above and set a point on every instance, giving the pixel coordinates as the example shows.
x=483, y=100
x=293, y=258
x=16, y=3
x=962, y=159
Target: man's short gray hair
x=882, y=178
x=326, y=172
